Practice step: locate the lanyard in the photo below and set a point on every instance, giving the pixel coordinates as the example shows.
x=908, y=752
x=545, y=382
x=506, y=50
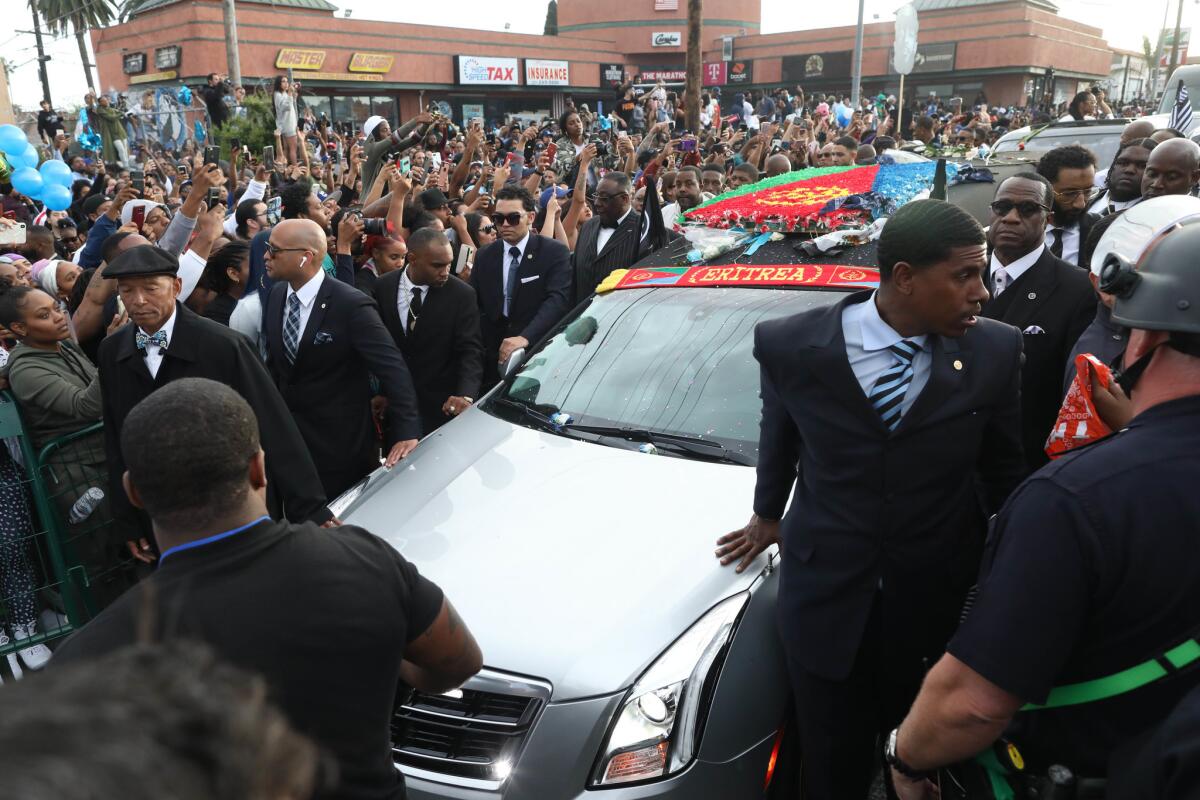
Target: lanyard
x=216, y=537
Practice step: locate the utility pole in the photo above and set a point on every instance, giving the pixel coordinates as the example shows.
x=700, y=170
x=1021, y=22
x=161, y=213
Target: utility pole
x=858, y=48
x=41, y=53
x=233, y=60
x=691, y=94
x=1175, y=42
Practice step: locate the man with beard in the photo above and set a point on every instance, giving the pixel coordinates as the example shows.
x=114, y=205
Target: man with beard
x=1123, y=182
x=1050, y=301
x=1173, y=168
x=1071, y=170
x=687, y=195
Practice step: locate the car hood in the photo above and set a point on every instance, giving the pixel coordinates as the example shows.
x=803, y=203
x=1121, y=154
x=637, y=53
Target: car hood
x=570, y=561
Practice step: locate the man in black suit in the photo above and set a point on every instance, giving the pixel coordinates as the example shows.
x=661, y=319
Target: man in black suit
x=167, y=342
x=326, y=341
x=1071, y=171
x=887, y=412
x=610, y=239
x=434, y=319
x=522, y=281
x=1049, y=300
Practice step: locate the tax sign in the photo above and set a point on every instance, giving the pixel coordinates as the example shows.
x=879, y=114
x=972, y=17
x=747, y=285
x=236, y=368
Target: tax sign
x=479, y=70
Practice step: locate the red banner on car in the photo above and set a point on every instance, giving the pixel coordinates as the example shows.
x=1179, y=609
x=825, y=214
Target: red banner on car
x=809, y=275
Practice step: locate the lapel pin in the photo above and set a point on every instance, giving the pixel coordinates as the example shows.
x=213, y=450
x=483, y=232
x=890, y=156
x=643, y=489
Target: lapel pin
x=1032, y=295
x=322, y=305
x=957, y=364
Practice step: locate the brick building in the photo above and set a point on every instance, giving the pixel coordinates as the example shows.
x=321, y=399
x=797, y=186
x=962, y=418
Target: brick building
x=350, y=69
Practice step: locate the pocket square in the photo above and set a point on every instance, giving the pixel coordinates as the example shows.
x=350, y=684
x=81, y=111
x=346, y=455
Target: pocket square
x=323, y=338
x=530, y=278
x=1033, y=329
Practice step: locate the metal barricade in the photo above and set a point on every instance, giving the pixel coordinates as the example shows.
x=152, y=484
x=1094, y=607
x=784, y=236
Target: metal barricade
x=63, y=562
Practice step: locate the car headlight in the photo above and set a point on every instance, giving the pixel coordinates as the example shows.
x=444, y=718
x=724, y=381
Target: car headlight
x=658, y=728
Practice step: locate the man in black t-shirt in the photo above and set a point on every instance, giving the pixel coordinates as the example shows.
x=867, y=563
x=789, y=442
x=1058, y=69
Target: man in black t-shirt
x=333, y=619
x=213, y=95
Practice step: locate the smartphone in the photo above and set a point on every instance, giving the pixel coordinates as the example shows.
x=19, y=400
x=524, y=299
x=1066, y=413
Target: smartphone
x=235, y=145
x=139, y=217
x=552, y=151
x=428, y=165
x=405, y=164
x=688, y=145
x=213, y=198
x=13, y=235
x=274, y=210
x=515, y=159
x=466, y=255
x=212, y=154
x=138, y=179
x=269, y=157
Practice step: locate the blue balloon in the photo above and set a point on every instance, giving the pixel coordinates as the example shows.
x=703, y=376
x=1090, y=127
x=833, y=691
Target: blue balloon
x=12, y=139
x=56, y=197
x=32, y=157
x=54, y=171
x=27, y=181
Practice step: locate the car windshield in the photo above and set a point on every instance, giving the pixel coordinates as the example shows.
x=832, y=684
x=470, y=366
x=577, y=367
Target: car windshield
x=1102, y=141
x=675, y=361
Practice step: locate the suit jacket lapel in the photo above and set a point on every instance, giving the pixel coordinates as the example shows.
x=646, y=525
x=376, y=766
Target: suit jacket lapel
x=133, y=358
x=946, y=369
x=589, y=237
x=623, y=230
x=388, y=291
x=528, y=266
x=1029, y=292
x=827, y=359
x=315, y=318
x=181, y=349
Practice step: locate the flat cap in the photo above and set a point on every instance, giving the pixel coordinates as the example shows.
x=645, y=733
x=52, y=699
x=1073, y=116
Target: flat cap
x=145, y=259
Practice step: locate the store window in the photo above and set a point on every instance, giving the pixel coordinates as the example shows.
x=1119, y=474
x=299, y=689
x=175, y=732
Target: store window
x=352, y=109
x=384, y=107
x=319, y=106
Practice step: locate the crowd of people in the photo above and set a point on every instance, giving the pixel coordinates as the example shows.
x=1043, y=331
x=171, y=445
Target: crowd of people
x=289, y=319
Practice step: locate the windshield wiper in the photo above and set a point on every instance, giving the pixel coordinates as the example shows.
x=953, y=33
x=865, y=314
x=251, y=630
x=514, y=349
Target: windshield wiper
x=692, y=445
x=544, y=422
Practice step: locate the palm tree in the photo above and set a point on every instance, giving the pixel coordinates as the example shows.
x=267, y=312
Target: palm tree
x=62, y=16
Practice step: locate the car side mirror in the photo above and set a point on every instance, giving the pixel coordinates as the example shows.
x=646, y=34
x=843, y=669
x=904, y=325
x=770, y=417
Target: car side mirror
x=512, y=362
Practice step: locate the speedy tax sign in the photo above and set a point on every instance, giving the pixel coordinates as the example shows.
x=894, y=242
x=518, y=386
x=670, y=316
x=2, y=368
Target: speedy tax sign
x=807, y=275
x=547, y=73
x=481, y=70
x=371, y=62
x=299, y=59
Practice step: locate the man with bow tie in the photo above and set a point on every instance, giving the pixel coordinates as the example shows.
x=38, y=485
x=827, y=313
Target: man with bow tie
x=166, y=342
x=610, y=239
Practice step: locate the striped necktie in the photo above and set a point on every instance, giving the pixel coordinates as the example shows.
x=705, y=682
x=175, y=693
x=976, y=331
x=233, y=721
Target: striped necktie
x=888, y=393
x=291, y=329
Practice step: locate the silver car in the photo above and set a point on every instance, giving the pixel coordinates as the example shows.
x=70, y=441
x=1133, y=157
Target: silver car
x=571, y=517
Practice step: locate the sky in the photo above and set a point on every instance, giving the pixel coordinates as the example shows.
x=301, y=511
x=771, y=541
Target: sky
x=1123, y=23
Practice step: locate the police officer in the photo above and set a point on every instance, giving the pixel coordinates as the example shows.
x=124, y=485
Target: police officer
x=1091, y=568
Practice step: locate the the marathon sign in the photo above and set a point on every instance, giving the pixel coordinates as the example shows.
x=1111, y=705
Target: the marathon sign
x=611, y=75
x=292, y=58
x=664, y=75
x=485, y=71
x=547, y=73
x=937, y=57
x=666, y=39
x=816, y=66
x=371, y=62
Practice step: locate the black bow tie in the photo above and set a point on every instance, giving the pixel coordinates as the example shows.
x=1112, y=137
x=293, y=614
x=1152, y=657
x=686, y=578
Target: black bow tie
x=610, y=225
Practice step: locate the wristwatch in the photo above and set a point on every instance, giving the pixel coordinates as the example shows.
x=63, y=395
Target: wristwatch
x=893, y=760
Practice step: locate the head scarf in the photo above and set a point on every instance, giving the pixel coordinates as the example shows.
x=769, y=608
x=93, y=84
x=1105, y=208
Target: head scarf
x=47, y=278
x=127, y=209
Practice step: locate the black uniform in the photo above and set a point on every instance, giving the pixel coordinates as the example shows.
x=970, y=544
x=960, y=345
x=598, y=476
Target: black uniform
x=201, y=348
x=1091, y=568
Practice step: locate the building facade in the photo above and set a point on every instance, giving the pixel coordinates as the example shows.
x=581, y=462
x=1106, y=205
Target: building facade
x=350, y=69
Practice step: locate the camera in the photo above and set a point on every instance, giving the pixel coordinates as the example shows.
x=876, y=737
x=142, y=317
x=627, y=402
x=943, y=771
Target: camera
x=601, y=147
x=376, y=226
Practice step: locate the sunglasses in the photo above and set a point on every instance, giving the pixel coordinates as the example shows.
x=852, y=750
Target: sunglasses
x=1026, y=208
x=488, y=229
x=274, y=251
x=512, y=218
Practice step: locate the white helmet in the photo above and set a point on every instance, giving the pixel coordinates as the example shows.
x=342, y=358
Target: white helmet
x=1140, y=225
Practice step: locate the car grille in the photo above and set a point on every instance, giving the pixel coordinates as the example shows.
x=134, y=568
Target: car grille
x=474, y=734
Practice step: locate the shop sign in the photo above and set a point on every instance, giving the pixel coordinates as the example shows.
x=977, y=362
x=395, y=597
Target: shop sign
x=370, y=62
x=342, y=76
x=167, y=57
x=475, y=70
x=472, y=111
x=937, y=57
x=547, y=73
x=714, y=73
x=816, y=65
x=133, y=63
x=664, y=75
x=155, y=77
x=611, y=75
x=666, y=39
x=739, y=72
x=290, y=57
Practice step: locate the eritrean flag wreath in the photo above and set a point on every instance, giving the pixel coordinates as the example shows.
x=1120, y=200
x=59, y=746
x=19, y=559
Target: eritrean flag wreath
x=817, y=200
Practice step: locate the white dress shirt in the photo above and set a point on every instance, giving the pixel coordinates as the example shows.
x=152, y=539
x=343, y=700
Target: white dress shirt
x=1101, y=205
x=508, y=262
x=1013, y=271
x=154, y=353
x=606, y=233
x=1070, y=242
x=868, y=338
x=308, y=295
x=404, y=296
